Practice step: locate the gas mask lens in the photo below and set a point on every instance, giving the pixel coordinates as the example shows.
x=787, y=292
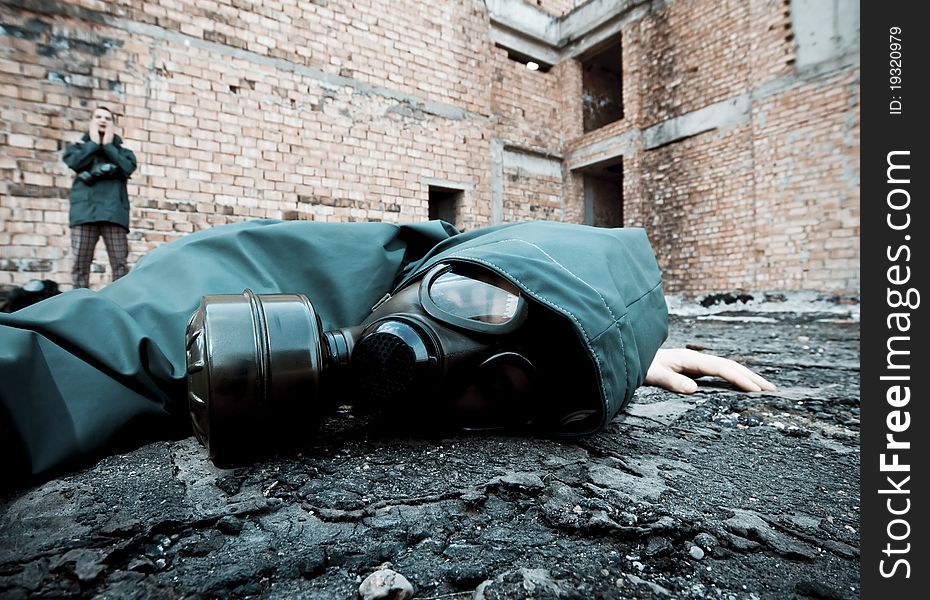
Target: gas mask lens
x=499, y=395
x=473, y=299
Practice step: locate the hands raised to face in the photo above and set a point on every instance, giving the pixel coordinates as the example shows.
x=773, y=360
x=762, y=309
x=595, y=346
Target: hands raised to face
x=109, y=131
x=101, y=128
x=93, y=130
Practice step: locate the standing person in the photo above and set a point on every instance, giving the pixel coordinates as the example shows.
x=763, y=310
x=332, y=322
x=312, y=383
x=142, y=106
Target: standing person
x=99, y=200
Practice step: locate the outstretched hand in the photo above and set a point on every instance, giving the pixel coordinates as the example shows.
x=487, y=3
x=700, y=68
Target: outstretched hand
x=674, y=368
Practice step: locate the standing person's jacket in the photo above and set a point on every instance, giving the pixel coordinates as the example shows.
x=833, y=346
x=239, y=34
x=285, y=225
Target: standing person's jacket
x=99, y=189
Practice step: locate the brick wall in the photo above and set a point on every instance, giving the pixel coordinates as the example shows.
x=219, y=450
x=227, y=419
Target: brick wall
x=339, y=111
x=524, y=104
x=805, y=148
x=770, y=200
x=700, y=213
x=531, y=196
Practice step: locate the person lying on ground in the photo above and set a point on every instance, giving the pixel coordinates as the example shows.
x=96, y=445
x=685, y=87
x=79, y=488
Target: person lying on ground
x=85, y=372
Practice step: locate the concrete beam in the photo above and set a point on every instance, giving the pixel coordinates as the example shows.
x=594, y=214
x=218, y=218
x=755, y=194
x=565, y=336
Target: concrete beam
x=533, y=164
x=327, y=80
x=825, y=30
x=538, y=35
x=594, y=22
x=592, y=39
x=726, y=113
x=589, y=16
x=538, y=51
x=530, y=21
x=604, y=150
x=447, y=184
x=722, y=114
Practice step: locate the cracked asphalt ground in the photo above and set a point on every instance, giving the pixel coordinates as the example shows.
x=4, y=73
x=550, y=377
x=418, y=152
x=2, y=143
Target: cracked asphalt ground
x=716, y=495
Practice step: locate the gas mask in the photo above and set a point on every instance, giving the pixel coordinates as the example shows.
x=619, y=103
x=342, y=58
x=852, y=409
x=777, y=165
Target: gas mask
x=450, y=348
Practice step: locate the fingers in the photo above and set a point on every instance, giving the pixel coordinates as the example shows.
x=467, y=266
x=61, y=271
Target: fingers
x=660, y=374
x=676, y=382
x=763, y=384
x=744, y=378
x=670, y=370
x=739, y=378
x=696, y=363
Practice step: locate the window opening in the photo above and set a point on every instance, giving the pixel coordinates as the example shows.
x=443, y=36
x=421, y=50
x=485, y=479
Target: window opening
x=602, y=87
x=531, y=63
x=445, y=204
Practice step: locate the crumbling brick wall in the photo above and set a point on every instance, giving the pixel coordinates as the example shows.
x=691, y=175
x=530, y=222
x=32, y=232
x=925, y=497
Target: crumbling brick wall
x=340, y=111
x=770, y=199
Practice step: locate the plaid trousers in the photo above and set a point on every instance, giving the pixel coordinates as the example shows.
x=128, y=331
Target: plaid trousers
x=83, y=241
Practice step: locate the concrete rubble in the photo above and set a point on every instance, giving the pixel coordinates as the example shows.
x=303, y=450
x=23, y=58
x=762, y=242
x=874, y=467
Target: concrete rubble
x=716, y=495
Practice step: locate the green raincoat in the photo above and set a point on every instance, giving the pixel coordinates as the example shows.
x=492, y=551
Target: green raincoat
x=106, y=198
x=85, y=372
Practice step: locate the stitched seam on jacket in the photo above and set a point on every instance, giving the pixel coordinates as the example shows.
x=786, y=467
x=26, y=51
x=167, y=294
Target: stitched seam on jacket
x=652, y=289
x=629, y=381
x=609, y=327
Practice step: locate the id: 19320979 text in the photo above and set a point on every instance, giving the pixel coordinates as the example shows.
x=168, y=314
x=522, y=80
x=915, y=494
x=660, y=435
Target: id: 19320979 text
x=894, y=70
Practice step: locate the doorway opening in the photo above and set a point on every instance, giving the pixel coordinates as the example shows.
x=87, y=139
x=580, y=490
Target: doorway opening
x=603, y=194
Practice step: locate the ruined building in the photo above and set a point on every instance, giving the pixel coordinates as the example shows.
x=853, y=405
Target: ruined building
x=729, y=129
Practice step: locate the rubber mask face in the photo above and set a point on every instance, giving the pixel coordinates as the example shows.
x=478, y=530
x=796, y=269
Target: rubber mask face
x=448, y=345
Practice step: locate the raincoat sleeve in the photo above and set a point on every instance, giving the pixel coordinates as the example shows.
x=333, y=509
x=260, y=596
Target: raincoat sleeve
x=123, y=158
x=80, y=156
